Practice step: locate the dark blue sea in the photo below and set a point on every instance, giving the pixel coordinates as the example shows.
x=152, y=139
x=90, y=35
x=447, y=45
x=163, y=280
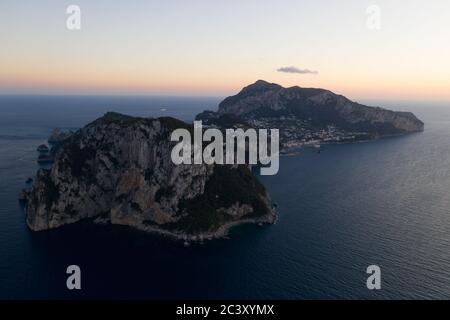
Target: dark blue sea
x=384, y=202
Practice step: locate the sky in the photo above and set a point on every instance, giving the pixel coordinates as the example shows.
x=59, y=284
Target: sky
x=212, y=47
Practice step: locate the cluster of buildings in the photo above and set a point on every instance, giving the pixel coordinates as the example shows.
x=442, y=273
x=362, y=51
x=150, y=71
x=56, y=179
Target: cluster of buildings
x=296, y=133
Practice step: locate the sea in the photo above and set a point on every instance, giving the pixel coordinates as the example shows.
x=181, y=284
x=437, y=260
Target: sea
x=383, y=203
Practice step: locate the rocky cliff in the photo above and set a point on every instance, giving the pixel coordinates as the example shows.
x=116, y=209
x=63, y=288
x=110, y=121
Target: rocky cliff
x=320, y=107
x=118, y=170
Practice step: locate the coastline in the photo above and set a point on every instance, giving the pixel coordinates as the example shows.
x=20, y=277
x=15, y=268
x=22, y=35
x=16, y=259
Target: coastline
x=220, y=233
x=286, y=152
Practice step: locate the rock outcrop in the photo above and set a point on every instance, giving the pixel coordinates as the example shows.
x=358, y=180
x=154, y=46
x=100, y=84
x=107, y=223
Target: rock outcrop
x=57, y=136
x=118, y=170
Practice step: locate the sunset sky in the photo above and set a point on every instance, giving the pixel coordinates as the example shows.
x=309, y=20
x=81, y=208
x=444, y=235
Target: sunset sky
x=196, y=47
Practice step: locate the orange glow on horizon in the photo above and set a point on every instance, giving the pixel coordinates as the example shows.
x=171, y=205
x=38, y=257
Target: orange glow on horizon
x=141, y=84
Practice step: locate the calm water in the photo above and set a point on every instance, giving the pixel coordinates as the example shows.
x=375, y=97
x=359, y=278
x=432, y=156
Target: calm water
x=385, y=202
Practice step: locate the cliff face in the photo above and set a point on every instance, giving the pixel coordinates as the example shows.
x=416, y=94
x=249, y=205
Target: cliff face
x=317, y=106
x=118, y=169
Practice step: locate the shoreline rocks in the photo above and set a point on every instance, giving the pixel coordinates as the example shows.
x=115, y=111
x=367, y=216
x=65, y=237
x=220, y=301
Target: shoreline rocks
x=57, y=136
x=43, y=148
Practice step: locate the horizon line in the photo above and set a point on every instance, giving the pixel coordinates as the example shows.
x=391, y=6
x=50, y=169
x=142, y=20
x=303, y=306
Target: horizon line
x=150, y=95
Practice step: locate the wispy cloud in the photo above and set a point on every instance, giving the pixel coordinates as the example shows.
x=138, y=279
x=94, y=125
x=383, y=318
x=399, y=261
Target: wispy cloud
x=293, y=69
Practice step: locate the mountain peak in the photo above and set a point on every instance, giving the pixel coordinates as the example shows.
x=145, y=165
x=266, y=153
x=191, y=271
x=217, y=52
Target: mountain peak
x=262, y=84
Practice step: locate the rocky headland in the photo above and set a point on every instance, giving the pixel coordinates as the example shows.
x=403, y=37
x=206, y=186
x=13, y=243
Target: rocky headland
x=118, y=170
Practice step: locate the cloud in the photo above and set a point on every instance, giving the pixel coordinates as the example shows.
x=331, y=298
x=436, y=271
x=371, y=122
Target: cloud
x=293, y=69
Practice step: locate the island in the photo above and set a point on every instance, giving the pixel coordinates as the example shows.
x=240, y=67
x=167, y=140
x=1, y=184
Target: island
x=308, y=116
x=118, y=170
